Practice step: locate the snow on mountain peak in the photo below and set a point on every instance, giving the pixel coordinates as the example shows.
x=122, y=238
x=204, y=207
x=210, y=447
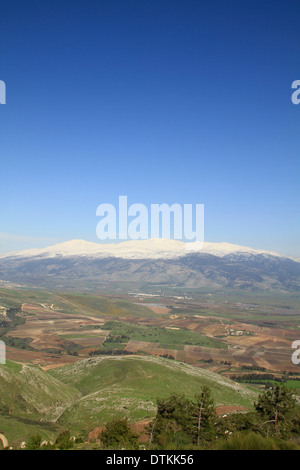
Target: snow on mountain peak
x=137, y=249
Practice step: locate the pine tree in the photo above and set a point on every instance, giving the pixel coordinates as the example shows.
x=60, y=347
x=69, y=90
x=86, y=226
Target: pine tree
x=275, y=404
x=203, y=416
x=118, y=434
x=172, y=419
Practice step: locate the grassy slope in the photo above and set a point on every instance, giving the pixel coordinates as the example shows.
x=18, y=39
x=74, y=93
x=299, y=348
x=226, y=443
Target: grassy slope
x=29, y=398
x=17, y=429
x=89, y=393
x=116, y=386
x=76, y=303
x=93, y=304
x=29, y=391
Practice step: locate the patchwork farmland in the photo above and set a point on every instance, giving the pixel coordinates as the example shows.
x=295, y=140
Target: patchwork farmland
x=62, y=328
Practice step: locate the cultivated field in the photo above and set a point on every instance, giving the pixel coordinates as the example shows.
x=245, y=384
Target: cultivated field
x=76, y=360
x=210, y=332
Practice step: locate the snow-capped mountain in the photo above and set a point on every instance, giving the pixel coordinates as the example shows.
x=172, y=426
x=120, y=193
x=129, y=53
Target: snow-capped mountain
x=143, y=263
x=138, y=249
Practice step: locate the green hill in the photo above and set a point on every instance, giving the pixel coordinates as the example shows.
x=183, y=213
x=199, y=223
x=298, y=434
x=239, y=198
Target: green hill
x=29, y=391
x=118, y=386
x=88, y=393
x=31, y=401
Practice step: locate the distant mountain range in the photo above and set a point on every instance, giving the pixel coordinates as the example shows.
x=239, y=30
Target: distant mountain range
x=152, y=262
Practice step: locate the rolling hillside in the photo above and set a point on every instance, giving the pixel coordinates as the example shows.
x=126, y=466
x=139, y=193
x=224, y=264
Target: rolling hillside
x=89, y=393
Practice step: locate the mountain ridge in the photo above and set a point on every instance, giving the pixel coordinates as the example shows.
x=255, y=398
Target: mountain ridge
x=152, y=264
x=139, y=249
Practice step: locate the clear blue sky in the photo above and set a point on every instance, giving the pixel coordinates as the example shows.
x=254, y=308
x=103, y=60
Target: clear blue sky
x=160, y=100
